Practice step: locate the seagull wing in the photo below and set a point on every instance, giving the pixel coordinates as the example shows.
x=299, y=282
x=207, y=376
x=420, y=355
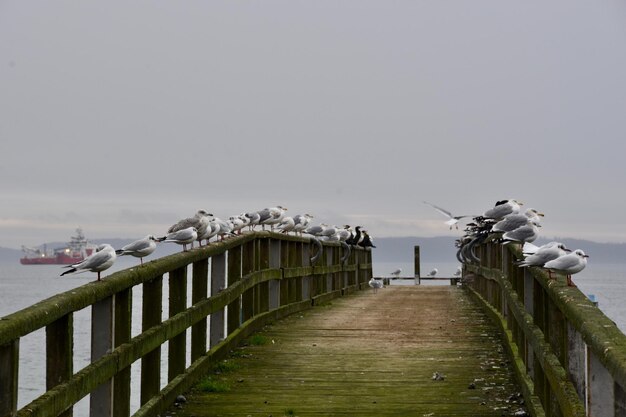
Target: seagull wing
x=440, y=210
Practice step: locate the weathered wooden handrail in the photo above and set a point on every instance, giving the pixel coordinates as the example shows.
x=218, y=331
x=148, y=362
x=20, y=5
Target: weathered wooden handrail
x=570, y=357
x=269, y=275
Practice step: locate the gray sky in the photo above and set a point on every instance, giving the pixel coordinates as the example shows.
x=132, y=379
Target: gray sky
x=123, y=117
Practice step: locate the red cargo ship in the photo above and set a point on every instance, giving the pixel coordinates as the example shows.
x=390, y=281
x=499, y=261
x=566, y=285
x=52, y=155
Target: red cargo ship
x=77, y=249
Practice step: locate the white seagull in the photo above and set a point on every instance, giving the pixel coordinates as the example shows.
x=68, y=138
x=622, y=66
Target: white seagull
x=569, y=264
x=101, y=259
x=502, y=208
x=375, y=284
x=433, y=272
x=396, y=273
x=139, y=248
x=182, y=237
x=452, y=220
x=544, y=253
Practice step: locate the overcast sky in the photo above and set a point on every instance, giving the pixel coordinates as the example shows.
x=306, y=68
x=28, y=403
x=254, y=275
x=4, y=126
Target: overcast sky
x=123, y=117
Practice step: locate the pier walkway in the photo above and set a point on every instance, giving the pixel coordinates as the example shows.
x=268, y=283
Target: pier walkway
x=368, y=354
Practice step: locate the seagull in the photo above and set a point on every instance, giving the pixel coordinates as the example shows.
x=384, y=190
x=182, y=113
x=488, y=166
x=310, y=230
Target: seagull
x=526, y=233
x=375, y=284
x=544, y=253
x=569, y=264
x=101, y=259
x=286, y=225
x=396, y=273
x=452, y=220
x=182, y=237
x=502, y=208
x=433, y=272
x=200, y=222
x=301, y=222
x=514, y=220
x=458, y=272
x=271, y=216
x=139, y=248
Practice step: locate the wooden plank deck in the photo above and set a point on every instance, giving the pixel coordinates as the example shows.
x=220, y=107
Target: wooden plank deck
x=369, y=355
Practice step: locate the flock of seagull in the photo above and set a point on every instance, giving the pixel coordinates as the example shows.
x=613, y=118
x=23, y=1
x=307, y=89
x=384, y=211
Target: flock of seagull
x=204, y=226
x=505, y=223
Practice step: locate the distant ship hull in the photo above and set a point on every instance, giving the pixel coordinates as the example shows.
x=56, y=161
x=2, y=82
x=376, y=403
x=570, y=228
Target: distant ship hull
x=77, y=249
x=59, y=259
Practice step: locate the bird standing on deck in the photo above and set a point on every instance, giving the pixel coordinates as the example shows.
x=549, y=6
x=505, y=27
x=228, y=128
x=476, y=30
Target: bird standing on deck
x=139, y=248
x=375, y=284
x=102, y=259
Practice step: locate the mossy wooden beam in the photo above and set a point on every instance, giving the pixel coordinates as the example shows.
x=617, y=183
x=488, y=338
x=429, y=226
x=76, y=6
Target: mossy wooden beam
x=561, y=386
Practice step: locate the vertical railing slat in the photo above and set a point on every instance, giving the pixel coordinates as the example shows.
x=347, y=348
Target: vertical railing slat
x=9, y=364
x=274, y=261
x=218, y=283
x=122, y=329
x=101, y=342
x=177, y=346
x=247, y=266
x=59, y=353
x=199, y=288
x=233, y=319
x=151, y=315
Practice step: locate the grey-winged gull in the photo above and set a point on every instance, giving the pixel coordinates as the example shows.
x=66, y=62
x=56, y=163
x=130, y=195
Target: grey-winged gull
x=139, y=248
x=102, y=259
x=569, y=264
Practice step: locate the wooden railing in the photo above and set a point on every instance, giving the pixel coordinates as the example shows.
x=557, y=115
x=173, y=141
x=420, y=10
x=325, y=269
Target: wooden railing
x=254, y=279
x=570, y=358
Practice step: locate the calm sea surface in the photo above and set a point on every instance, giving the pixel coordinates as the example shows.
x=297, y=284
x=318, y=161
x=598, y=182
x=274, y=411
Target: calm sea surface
x=22, y=286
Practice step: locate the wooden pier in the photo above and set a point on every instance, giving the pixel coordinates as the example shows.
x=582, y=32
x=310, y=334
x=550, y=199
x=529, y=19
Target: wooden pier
x=369, y=354
x=333, y=343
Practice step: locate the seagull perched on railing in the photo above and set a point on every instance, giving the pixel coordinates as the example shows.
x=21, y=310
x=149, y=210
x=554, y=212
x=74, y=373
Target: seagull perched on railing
x=102, y=259
x=139, y=248
x=569, y=264
x=433, y=272
x=182, y=237
x=502, y=208
x=396, y=273
x=200, y=222
x=452, y=220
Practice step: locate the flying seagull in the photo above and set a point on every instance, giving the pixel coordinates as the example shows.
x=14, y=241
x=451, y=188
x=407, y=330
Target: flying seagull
x=452, y=220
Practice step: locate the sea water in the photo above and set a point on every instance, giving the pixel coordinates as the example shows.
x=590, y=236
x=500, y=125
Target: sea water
x=23, y=285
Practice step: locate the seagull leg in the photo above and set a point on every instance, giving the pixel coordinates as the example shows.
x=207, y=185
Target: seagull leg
x=141, y=260
x=98, y=275
x=569, y=281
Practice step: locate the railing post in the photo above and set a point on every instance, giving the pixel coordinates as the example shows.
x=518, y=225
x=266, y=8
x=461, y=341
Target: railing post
x=293, y=262
x=601, y=402
x=233, y=319
x=416, y=263
x=284, y=262
x=59, y=353
x=263, y=262
x=576, y=361
x=177, y=346
x=199, y=288
x=274, y=262
x=306, y=281
x=122, y=326
x=9, y=363
x=330, y=255
x=218, y=283
x=152, y=310
x=101, y=342
x=247, y=266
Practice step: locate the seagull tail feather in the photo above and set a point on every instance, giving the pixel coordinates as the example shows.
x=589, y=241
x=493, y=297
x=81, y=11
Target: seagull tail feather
x=69, y=271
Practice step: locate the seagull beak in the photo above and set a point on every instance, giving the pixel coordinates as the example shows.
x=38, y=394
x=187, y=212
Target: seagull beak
x=540, y=214
x=567, y=250
x=585, y=256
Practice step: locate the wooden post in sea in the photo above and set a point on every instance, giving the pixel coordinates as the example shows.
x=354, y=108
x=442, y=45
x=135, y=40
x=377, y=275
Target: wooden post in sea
x=417, y=265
